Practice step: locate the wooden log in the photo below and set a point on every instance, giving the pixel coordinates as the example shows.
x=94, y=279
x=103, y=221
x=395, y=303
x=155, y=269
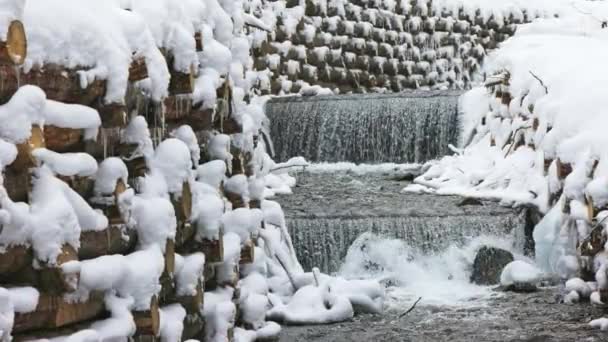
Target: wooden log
x=112, y=114
x=181, y=83
x=208, y=272
x=506, y=98
x=108, y=204
x=61, y=84
x=177, y=107
x=18, y=184
x=563, y=169
x=198, y=38
x=591, y=211
x=53, y=279
x=247, y=252
x=54, y=312
x=236, y=200
x=138, y=70
x=229, y=282
x=136, y=165
x=592, y=244
x=228, y=125
x=199, y=119
x=82, y=185
x=546, y=164
x=25, y=159
x=185, y=232
x=213, y=249
x=170, y=258
x=63, y=140
x=144, y=338
x=194, y=303
x=148, y=322
x=14, y=259
x=183, y=203
x=14, y=50
x=167, y=289
x=194, y=327
x=117, y=239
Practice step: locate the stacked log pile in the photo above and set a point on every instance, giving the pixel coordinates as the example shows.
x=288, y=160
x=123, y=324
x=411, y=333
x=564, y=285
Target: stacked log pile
x=361, y=46
x=156, y=276
x=528, y=142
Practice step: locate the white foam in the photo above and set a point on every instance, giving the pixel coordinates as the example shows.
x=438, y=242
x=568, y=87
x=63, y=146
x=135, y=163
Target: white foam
x=440, y=278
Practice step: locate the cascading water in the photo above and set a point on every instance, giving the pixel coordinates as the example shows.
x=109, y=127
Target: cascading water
x=324, y=242
x=440, y=277
x=405, y=127
x=329, y=211
x=355, y=222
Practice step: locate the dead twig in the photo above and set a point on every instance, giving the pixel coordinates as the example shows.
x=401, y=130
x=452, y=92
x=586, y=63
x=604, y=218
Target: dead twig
x=514, y=137
x=288, y=166
x=410, y=309
x=540, y=81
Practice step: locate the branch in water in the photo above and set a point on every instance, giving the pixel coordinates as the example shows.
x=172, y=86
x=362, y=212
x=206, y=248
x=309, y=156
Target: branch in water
x=410, y=309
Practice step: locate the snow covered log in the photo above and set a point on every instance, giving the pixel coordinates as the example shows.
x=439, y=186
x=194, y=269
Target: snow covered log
x=184, y=234
x=13, y=51
x=169, y=258
x=183, y=203
x=247, y=252
x=200, y=119
x=181, y=83
x=193, y=303
x=136, y=163
x=25, y=158
x=17, y=184
x=61, y=139
x=60, y=277
x=147, y=322
x=138, y=70
x=83, y=185
x=198, y=38
x=116, y=239
x=212, y=248
x=59, y=83
x=112, y=114
x=177, y=107
x=14, y=259
x=53, y=311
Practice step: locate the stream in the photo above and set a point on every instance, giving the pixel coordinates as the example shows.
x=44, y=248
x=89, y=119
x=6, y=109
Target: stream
x=354, y=222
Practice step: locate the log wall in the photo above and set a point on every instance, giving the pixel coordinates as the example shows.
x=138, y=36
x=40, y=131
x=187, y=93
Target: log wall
x=367, y=47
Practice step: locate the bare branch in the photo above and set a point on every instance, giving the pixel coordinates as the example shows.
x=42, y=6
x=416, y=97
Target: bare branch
x=410, y=309
x=540, y=81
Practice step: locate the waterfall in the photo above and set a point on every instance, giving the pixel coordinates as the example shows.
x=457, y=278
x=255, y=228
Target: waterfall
x=405, y=127
x=324, y=242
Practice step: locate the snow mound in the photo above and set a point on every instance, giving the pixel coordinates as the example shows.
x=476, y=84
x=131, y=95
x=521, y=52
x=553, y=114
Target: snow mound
x=520, y=272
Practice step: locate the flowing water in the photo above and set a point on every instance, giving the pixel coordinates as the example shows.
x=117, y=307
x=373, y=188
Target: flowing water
x=358, y=225
x=329, y=211
x=354, y=222
x=405, y=127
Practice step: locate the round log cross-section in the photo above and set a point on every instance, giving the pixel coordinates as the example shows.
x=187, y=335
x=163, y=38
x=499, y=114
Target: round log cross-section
x=14, y=50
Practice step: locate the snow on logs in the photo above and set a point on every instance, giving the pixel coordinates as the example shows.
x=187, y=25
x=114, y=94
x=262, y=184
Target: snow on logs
x=136, y=228
x=535, y=139
x=141, y=202
x=455, y=30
